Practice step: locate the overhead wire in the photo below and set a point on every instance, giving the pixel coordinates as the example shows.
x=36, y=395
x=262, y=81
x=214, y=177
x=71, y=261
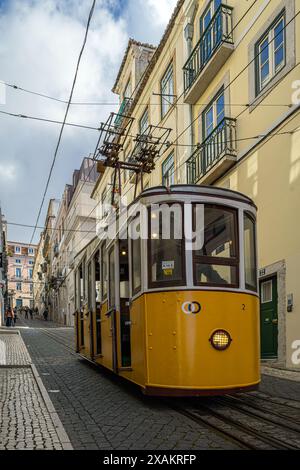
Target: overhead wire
x=65, y=116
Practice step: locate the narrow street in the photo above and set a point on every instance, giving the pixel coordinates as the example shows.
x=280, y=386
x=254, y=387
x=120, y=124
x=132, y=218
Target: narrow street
x=100, y=411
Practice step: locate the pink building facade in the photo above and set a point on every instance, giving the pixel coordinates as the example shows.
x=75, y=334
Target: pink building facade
x=20, y=273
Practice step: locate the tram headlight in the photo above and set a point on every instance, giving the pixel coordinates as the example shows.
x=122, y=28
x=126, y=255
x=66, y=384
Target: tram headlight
x=220, y=339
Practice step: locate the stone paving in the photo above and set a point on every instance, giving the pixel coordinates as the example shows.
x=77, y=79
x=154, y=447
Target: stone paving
x=25, y=420
x=27, y=417
x=99, y=411
x=13, y=350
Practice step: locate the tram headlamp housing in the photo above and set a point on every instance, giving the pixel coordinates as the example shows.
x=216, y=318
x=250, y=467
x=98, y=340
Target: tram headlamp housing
x=220, y=340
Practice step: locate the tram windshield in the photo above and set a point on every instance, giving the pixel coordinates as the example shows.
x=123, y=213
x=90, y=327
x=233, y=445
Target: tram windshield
x=216, y=263
x=166, y=247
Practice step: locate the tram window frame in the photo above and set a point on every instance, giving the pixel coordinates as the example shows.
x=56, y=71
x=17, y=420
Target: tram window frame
x=161, y=284
x=89, y=286
x=252, y=219
x=232, y=262
x=111, y=280
x=104, y=282
x=136, y=289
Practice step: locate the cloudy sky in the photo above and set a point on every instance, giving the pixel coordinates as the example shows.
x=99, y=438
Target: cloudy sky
x=39, y=47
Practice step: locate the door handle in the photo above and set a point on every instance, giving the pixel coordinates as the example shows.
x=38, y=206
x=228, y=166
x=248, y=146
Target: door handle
x=275, y=321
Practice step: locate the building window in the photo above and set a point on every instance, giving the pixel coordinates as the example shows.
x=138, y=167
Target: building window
x=30, y=262
x=213, y=115
x=31, y=251
x=167, y=91
x=270, y=53
x=168, y=167
x=208, y=14
x=210, y=32
x=30, y=271
x=127, y=91
x=18, y=272
x=31, y=288
x=19, y=286
x=17, y=249
x=18, y=261
x=144, y=121
x=266, y=294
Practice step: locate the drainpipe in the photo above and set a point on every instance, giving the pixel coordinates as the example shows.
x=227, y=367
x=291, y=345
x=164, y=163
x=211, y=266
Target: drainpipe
x=188, y=34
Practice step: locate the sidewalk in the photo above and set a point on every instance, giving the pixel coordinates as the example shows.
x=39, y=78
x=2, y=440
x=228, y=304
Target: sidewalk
x=28, y=419
x=277, y=370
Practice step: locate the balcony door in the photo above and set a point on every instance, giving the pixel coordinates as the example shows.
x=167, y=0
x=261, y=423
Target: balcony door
x=213, y=122
x=210, y=32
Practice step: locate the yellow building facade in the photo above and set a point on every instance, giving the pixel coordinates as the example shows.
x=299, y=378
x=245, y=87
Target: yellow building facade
x=225, y=79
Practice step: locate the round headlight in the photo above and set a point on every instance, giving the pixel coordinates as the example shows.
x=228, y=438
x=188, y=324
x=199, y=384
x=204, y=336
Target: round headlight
x=220, y=339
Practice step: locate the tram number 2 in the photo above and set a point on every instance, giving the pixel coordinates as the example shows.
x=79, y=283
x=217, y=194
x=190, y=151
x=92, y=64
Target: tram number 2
x=190, y=307
x=243, y=307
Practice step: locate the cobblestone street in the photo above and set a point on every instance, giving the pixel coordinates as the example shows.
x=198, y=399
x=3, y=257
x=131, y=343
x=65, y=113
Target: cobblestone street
x=99, y=411
x=95, y=410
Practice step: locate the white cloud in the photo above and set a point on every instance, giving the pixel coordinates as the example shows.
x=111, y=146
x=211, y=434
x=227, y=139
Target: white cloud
x=160, y=10
x=7, y=173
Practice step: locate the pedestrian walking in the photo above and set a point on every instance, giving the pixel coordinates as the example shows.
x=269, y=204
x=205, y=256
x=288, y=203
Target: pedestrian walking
x=26, y=313
x=31, y=313
x=45, y=314
x=15, y=316
x=9, y=317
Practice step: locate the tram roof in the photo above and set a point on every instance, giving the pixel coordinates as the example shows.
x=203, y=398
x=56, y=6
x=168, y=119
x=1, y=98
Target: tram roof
x=199, y=190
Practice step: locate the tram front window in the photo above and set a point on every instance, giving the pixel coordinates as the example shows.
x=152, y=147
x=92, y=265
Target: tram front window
x=166, y=255
x=216, y=263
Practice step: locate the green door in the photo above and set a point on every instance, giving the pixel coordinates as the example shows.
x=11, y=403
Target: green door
x=269, y=317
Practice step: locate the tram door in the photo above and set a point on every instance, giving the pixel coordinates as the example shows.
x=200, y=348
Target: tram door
x=97, y=294
x=80, y=293
x=125, y=324
x=112, y=306
x=269, y=318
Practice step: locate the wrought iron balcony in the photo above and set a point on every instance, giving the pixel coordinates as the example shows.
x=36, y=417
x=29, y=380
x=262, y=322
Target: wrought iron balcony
x=209, y=54
x=215, y=155
x=123, y=111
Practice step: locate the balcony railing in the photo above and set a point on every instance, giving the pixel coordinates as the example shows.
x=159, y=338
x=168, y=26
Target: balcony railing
x=219, y=30
x=221, y=142
x=123, y=110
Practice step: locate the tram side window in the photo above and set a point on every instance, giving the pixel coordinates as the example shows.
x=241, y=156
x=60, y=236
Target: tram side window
x=111, y=282
x=216, y=263
x=166, y=255
x=136, y=261
x=103, y=273
x=90, y=287
x=250, y=253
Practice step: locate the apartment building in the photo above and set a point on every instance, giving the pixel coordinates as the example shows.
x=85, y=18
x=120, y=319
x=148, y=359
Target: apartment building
x=3, y=268
x=20, y=259
x=42, y=267
x=223, y=79
x=70, y=225
x=39, y=277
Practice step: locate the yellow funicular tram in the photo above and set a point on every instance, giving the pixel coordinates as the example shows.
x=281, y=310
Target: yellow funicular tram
x=176, y=315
